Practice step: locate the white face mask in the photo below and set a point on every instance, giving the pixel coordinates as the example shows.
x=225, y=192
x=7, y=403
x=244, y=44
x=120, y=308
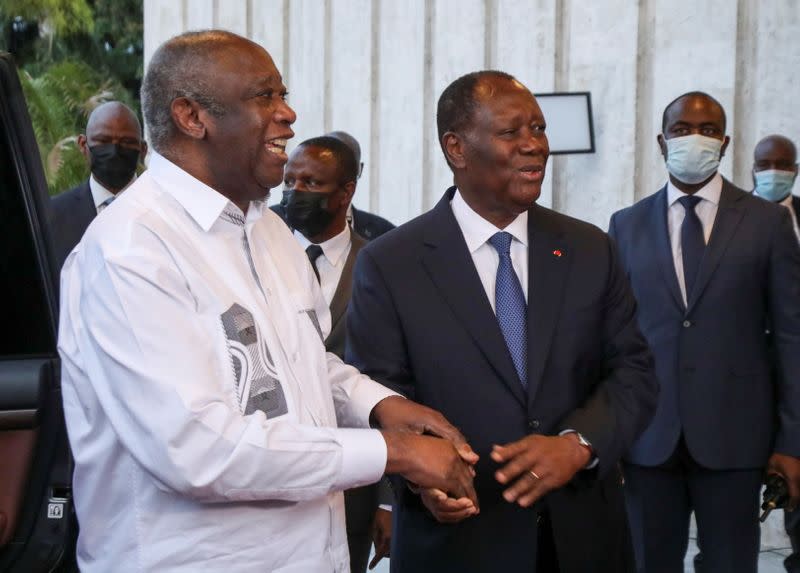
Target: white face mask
x=693, y=158
x=774, y=184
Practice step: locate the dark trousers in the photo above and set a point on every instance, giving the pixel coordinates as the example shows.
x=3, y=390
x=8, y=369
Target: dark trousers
x=661, y=499
x=546, y=557
x=792, y=521
x=360, y=505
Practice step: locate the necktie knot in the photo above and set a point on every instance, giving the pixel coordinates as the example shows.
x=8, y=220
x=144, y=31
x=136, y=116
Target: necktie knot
x=501, y=241
x=108, y=201
x=689, y=202
x=314, y=252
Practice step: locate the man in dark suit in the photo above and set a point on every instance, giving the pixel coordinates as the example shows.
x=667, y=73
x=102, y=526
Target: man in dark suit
x=710, y=266
x=320, y=179
x=367, y=225
x=113, y=147
x=519, y=325
x=774, y=174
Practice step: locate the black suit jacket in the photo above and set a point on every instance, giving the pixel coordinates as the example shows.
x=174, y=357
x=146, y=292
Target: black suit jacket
x=71, y=212
x=712, y=358
x=796, y=207
x=367, y=225
x=420, y=322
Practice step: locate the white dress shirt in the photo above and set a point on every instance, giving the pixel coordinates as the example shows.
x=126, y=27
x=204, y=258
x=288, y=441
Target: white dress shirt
x=706, y=211
x=331, y=263
x=100, y=194
x=175, y=340
x=477, y=231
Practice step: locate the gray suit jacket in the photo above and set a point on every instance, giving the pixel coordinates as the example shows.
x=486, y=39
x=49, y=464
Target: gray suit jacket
x=341, y=298
x=337, y=338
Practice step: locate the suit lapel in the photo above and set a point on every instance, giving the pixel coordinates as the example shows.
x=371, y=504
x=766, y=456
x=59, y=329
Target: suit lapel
x=449, y=263
x=662, y=247
x=728, y=216
x=345, y=287
x=549, y=260
x=87, y=209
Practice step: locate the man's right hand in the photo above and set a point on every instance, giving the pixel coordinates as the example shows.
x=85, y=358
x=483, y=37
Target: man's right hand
x=430, y=462
x=447, y=509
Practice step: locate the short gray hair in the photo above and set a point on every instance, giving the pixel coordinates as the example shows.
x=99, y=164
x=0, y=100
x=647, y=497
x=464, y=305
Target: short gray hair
x=180, y=68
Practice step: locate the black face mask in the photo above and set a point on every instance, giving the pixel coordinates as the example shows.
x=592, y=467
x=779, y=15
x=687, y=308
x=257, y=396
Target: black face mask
x=113, y=165
x=307, y=211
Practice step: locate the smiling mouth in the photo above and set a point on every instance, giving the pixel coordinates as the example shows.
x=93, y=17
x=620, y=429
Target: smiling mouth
x=532, y=173
x=278, y=147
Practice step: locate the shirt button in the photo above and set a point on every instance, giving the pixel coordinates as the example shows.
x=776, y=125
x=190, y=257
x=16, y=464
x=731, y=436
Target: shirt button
x=687, y=323
x=534, y=424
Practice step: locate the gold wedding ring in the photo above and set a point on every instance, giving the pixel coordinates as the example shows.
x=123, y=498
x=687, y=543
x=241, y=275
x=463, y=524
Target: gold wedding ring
x=533, y=474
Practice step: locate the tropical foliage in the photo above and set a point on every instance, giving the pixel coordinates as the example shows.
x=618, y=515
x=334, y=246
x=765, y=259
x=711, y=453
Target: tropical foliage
x=73, y=55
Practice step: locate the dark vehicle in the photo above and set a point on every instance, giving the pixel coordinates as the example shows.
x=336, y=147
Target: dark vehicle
x=36, y=525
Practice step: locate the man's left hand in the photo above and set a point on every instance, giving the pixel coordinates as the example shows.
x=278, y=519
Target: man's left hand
x=397, y=413
x=787, y=467
x=381, y=535
x=538, y=464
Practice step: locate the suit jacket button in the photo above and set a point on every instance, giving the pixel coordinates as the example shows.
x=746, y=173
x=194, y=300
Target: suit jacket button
x=687, y=323
x=534, y=424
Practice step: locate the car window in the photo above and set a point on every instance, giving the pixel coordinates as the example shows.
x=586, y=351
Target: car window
x=23, y=312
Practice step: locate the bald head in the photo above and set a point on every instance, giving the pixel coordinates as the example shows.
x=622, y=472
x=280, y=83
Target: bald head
x=113, y=144
x=184, y=67
x=775, y=152
x=111, y=116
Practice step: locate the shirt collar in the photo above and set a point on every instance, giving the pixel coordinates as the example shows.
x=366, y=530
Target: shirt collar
x=99, y=193
x=711, y=191
x=333, y=249
x=203, y=203
x=478, y=230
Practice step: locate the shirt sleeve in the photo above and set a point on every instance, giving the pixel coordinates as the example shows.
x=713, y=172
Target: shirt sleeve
x=134, y=339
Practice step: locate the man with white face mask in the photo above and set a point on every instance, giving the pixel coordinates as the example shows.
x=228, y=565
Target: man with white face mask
x=774, y=173
x=710, y=265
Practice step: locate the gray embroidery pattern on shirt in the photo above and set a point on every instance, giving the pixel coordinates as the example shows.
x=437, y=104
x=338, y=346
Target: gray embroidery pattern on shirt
x=253, y=364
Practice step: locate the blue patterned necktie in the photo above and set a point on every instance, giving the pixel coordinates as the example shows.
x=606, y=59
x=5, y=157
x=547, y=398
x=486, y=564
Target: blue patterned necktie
x=510, y=306
x=693, y=242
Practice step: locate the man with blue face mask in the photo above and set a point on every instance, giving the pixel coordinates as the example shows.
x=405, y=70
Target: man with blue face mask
x=710, y=265
x=774, y=173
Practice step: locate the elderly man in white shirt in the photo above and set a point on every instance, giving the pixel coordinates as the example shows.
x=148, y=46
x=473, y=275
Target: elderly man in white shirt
x=206, y=419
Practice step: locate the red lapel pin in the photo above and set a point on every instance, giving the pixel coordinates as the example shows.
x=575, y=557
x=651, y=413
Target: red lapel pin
x=557, y=253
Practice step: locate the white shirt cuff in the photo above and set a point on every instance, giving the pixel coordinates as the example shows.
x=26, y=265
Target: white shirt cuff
x=365, y=397
x=363, y=458
x=385, y=507
x=592, y=462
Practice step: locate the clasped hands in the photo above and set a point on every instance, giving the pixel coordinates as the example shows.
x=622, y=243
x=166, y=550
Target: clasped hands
x=431, y=453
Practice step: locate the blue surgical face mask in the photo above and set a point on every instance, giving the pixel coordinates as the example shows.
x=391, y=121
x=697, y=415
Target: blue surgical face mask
x=773, y=184
x=692, y=159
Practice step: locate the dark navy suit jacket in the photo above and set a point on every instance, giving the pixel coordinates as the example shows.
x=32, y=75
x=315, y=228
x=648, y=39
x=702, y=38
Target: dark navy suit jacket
x=712, y=358
x=71, y=212
x=420, y=322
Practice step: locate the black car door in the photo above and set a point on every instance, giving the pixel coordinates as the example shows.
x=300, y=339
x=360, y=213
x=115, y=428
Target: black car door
x=35, y=464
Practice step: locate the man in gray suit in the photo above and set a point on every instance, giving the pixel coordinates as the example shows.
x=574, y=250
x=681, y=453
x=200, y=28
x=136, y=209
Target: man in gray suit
x=320, y=179
x=113, y=147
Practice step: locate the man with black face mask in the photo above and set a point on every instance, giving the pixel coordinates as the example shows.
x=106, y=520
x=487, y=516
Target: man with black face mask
x=113, y=146
x=710, y=266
